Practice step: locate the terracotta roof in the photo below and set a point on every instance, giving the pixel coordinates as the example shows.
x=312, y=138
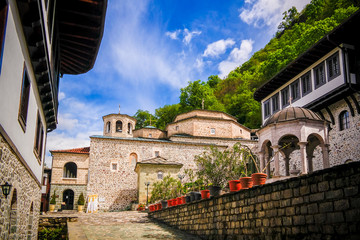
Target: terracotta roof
x=83, y=150
x=292, y=113
x=160, y=161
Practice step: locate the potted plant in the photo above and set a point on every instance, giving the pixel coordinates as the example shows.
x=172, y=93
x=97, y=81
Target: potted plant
x=53, y=202
x=81, y=203
x=141, y=207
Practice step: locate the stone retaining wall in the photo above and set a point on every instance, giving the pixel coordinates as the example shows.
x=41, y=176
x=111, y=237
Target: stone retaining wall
x=52, y=223
x=321, y=205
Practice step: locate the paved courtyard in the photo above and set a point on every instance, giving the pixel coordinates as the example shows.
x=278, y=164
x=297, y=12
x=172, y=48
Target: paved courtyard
x=121, y=225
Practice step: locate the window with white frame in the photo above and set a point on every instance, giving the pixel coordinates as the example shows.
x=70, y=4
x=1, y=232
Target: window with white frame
x=275, y=103
x=285, y=97
x=344, y=120
x=333, y=66
x=267, y=108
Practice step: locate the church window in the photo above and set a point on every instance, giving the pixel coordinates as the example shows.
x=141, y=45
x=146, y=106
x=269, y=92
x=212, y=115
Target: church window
x=319, y=74
x=108, y=127
x=150, y=135
x=70, y=170
x=285, y=97
x=212, y=131
x=133, y=159
x=119, y=126
x=344, y=120
x=295, y=90
x=113, y=166
x=160, y=175
x=24, y=99
x=240, y=131
x=157, y=153
x=267, y=108
x=129, y=128
x=306, y=84
x=275, y=103
x=177, y=128
x=333, y=66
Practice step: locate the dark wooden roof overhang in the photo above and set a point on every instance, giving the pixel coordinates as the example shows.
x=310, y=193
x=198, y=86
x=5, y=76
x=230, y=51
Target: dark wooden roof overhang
x=80, y=24
x=78, y=28
x=344, y=33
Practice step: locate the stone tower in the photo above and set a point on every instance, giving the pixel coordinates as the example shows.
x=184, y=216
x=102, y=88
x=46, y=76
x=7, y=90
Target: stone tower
x=119, y=125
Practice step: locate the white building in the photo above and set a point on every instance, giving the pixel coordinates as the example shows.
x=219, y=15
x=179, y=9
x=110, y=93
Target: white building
x=326, y=80
x=39, y=41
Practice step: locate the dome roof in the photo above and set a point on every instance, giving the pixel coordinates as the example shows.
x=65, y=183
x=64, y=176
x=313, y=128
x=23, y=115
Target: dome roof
x=292, y=113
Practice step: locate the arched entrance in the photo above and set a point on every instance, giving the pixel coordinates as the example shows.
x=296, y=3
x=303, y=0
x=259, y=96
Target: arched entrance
x=68, y=199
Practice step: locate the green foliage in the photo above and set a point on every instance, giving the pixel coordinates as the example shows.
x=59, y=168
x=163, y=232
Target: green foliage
x=53, y=198
x=166, y=189
x=143, y=119
x=81, y=200
x=166, y=114
x=51, y=233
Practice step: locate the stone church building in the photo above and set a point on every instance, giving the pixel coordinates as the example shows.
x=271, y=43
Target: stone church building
x=118, y=163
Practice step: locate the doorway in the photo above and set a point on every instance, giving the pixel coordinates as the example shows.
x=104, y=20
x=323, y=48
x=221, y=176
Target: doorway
x=68, y=199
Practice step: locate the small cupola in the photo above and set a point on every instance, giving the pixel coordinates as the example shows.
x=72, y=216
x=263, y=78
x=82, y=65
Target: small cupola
x=119, y=125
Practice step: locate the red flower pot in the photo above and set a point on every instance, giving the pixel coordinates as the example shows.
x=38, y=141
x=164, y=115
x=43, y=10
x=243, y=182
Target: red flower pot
x=158, y=206
x=183, y=199
x=258, y=178
x=205, y=194
x=174, y=202
x=179, y=201
x=169, y=203
x=151, y=208
x=155, y=207
x=234, y=185
x=246, y=182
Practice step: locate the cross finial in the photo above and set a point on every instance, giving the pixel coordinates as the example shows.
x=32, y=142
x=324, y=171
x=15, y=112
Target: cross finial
x=202, y=104
x=119, y=108
x=290, y=101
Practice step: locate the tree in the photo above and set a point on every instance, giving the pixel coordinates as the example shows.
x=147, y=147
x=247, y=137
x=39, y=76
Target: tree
x=143, y=119
x=198, y=93
x=166, y=114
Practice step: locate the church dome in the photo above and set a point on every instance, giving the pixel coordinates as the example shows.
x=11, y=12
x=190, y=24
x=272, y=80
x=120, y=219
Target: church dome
x=292, y=113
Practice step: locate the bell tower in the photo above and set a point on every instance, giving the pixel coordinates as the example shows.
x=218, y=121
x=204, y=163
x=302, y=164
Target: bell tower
x=119, y=125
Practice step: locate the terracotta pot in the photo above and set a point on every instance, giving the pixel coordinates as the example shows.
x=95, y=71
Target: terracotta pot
x=179, y=201
x=183, y=199
x=158, y=205
x=205, y=194
x=155, y=207
x=169, y=203
x=234, y=185
x=151, y=208
x=258, y=178
x=215, y=191
x=174, y=202
x=246, y=182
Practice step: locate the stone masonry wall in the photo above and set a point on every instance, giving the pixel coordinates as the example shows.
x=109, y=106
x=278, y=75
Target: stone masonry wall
x=23, y=222
x=60, y=188
x=321, y=205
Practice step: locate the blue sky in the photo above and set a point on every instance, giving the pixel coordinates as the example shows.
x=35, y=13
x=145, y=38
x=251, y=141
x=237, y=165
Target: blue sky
x=151, y=49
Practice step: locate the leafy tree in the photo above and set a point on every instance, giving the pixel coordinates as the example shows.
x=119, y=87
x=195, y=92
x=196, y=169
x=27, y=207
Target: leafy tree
x=143, y=119
x=195, y=93
x=166, y=114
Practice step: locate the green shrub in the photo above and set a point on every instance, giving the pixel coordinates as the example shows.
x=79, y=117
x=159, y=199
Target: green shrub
x=81, y=200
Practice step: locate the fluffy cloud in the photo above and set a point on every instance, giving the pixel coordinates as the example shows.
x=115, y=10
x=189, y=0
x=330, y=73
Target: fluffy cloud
x=173, y=35
x=188, y=35
x=219, y=47
x=268, y=13
x=237, y=57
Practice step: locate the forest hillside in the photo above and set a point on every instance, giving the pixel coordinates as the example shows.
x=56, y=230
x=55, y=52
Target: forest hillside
x=234, y=94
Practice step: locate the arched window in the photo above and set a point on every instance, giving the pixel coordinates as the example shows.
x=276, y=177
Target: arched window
x=108, y=127
x=129, y=128
x=133, y=159
x=344, y=120
x=70, y=170
x=160, y=175
x=119, y=126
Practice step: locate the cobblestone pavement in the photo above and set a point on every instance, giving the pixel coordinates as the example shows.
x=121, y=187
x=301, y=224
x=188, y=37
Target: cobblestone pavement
x=122, y=225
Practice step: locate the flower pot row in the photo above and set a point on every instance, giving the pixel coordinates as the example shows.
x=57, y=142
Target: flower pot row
x=247, y=182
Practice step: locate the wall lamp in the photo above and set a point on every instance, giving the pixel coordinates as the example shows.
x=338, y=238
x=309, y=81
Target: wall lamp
x=6, y=188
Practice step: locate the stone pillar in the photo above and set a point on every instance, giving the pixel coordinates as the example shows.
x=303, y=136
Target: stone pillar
x=287, y=166
x=304, y=165
x=325, y=153
x=310, y=162
x=262, y=160
x=276, y=160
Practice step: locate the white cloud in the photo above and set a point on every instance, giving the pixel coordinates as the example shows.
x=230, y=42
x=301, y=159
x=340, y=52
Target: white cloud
x=61, y=95
x=219, y=47
x=173, y=35
x=268, y=13
x=188, y=35
x=237, y=57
